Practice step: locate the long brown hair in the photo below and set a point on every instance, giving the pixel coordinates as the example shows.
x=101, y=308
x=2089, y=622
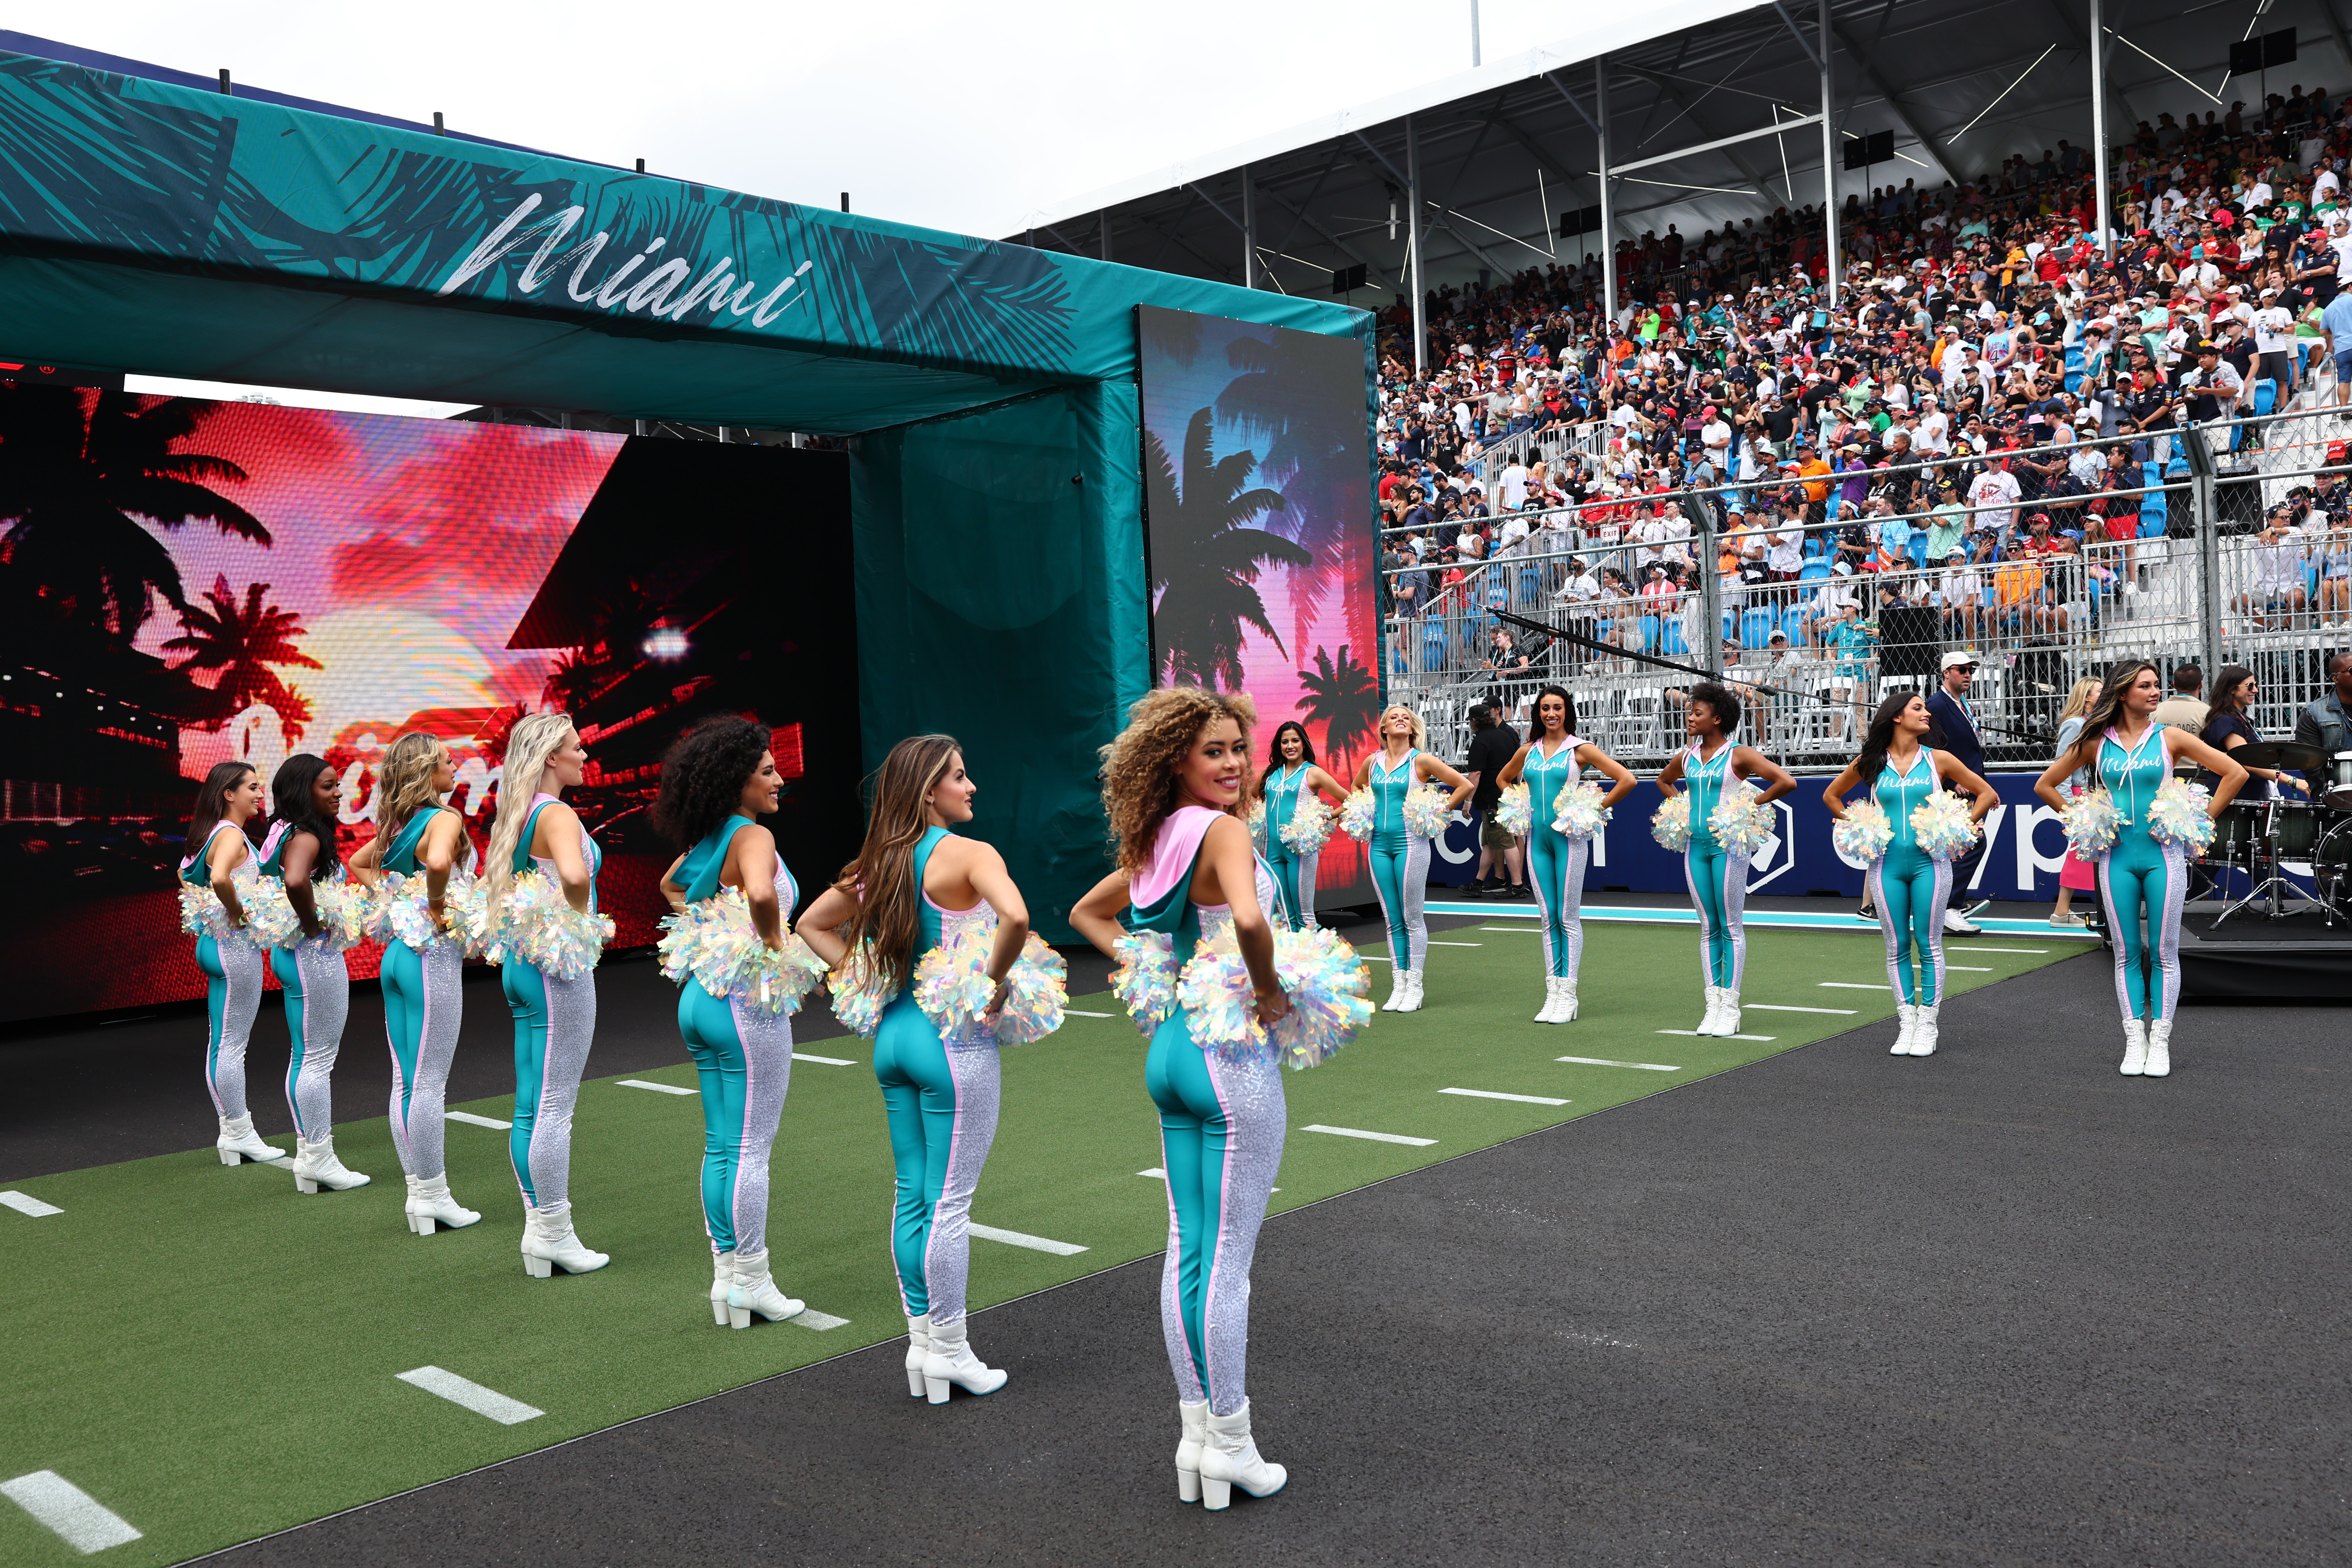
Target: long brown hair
x=211, y=799
x=1138, y=774
x=882, y=878
x=1273, y=753
x=2108, y=706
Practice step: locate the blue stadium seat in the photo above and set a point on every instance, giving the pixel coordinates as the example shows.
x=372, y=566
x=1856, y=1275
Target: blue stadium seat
x=2152, y=515
x=1812, y=570
x=2074, y=368
x=1432, y=647
x=1650, y=634
x=1674, y=643
x=2266, y=396
x=1757, y=626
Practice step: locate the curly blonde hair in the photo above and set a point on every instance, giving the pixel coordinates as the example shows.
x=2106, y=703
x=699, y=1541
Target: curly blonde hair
x=1138, y=773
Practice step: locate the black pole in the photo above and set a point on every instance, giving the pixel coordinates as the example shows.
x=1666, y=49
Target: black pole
x=225, y=87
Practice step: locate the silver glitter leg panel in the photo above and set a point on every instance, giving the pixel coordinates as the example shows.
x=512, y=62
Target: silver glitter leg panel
x=326, y=984
x=947, y=1252
x=570, y=1030
x=767, y=1078
x=421, y=1140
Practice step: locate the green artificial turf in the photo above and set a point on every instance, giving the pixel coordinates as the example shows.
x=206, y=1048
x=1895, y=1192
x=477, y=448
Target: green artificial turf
x=213, y=1357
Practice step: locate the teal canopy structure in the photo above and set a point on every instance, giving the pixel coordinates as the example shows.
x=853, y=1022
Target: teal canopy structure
x=1001, y=582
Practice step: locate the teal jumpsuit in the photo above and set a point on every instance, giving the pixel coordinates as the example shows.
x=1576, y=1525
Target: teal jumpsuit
x=233, y=968
x=1556, y=863
x=318, y=984
x=1718, y=876
x=555, y=1023
x=1399, y=865
x=1908, y=887
x=1294, y=873
x=422, y=1005
x=2141, y=879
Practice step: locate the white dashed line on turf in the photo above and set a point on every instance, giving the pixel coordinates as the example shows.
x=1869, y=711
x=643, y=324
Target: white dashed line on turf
x=1375, y=1137
x=1033, y=1243
x=1971, y=968
x=1156, y=1175
x=26, y=1203
x=810, y=1317
x=1767, y=1039
x=1434, y=942
x=1605, y=1062
x=78, y=1518
x=1075, y=1012
x=1776, y=1007
x=465, y=1392
x=824, y=1061
x=672, y=1089
x=470, y=1119
x=1851, y=985
x=1497, y=1094
x=1976, y=947
x=1372, y=958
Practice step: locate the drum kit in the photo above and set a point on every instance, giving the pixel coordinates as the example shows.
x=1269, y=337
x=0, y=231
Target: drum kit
x=2268, y=838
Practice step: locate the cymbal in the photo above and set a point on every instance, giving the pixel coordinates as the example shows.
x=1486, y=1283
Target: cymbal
x=2279, y=754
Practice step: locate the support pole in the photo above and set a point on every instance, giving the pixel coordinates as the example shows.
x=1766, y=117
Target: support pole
x=1829, y=156
x=1413, y=243
x=2209, y=541
x=1249, y=231
x=1105, y=236
x=1608, y=222
x=1705, y=523
x=2099, y=132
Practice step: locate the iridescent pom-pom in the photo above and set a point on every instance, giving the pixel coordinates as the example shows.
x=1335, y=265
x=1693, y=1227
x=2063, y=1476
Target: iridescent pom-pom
x=1578, y=812
x=1739, y=822
x=1425, y=811
x=1310, y=824
x=951, y=985
x=1941, y=826
x=2092, y=823
x=1318, y=970
x=400, y=912
x=1254, y=818
x=1514, y=812
x=1864, y=833
x=714, y=942
x=1036, y=993
x=1670, y=825
x=543, y=929
x=269, y=918
x=859, y=996
x=1356, y=816
x=343, y=910
x=1145, y=979
x=201, y=912
x=476, y=922
x=2178, y=814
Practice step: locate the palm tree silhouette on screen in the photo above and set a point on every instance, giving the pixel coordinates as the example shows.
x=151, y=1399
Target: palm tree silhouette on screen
x=1207, y=557
x=76, y=478
x=1342, y=697
x=244, y=641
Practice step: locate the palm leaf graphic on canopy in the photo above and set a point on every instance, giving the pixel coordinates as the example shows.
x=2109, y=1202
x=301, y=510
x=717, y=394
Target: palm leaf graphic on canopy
x=1342, y=697
x=244, y=641
x=1207, y=557
x=74, y=485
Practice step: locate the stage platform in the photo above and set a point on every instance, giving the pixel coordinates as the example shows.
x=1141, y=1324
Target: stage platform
x=2253, y=957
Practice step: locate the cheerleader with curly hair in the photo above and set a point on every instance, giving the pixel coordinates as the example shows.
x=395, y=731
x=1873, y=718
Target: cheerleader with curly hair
x=915, y=887
x=716, y=783
x=1172, y=782
x=300, y=849
x=1717, y=873
x=1399, y=856
x=1548, y=765
x=419, y=837
x=221, y=858
x=1290, y=779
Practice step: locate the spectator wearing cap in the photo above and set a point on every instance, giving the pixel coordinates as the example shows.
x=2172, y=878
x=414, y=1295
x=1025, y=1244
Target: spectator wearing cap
x=1953, y=728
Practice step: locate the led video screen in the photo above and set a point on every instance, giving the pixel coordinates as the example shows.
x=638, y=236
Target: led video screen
x=1263, y=546
x=183, y=583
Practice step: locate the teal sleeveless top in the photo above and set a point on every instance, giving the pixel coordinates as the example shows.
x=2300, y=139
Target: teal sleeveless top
x=401, y=855
x=1546, y=777
x=1705, y=780
x=1900, y=795
x=1282, y=794
x=703, y=864
x=2134, y=775
x=1390, y=786
x=524, y=859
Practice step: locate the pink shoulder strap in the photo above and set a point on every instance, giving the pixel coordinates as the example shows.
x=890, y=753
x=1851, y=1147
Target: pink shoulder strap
x=1172, y=853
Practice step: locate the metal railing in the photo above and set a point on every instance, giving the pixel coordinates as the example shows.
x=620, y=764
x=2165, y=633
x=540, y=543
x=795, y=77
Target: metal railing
x=1812, y=650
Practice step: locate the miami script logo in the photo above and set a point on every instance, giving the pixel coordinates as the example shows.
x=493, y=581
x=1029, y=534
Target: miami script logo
x=655, y=294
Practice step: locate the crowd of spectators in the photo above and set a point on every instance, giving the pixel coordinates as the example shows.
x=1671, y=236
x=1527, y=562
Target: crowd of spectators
x=1725, y=407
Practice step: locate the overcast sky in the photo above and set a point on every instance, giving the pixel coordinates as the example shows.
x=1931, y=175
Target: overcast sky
x=963, y=117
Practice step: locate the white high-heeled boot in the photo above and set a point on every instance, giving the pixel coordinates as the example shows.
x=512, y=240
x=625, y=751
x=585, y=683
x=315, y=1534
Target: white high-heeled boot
x=1923, y=1036
x=1399, y=986
x=1188, y=1449
x=1907, y=1027
x=2159, y=1049
x=755, y=1291
x=1710, y=1023
x=1549, y=1012
x=950, y=1361
x=1411, y=1002
x=548, y=1244
x=722, y=1280
x=429, y=1203
x=1567, y=1000
x=315, y=1166
x=918, y=1345
x=1230, y=1458
x=238, y=1142
x=2135, y=1048
x=1727, y=1021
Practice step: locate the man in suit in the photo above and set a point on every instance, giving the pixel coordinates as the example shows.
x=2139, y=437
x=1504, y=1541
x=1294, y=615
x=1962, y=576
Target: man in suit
x=1954, y=730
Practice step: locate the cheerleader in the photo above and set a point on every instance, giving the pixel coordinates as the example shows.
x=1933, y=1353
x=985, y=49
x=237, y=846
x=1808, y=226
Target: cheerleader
x=1549, y=765
x=1172, y=782
x=555, y=1019
x=300, y=849
x=1290, y=774
x=416, y=836
x=916, y=886
x=220, y=857
x=2142, y=879
x=1908, y=884
x=1398, y=856
x=1717, y=872
x=715, y=782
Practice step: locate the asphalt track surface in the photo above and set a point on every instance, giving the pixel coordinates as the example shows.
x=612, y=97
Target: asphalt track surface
x=1998, y=1306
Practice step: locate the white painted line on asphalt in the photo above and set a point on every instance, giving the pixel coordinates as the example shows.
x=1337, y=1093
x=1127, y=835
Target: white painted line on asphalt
x=1497, y=1094
x=1375, y=1137
x=1767, y=1039
x=1776, y=1007
x=470, y=1119
x=1605, y=1062
x=1979, y=947
x=1033, y=1243
x=464, y=1391
x=1851, y=985
x=672, y=1089
x=810, y=1317
x=80, y=1519
x=822, y=1061
x=1075, y=1013
x=26, y=1203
